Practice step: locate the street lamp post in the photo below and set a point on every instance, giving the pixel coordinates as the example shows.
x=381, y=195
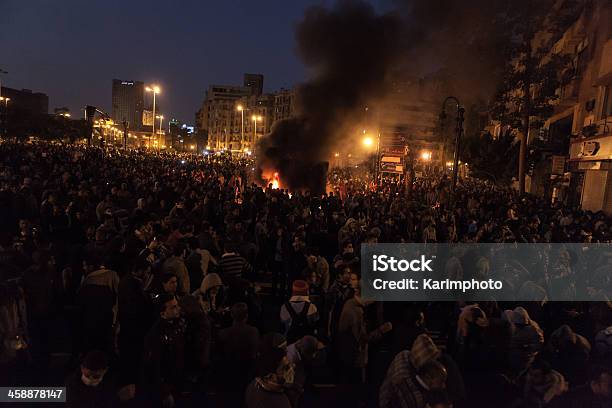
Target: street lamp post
x=368, y=142
x=377, y=173
x=241, y=110
x=458, y=134
x=161, y=118
x=125, y=133
x=255, y=119
x=155, y=90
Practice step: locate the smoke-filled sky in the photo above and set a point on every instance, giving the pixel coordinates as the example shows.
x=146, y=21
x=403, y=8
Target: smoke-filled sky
x=349, y=49
x=355, y=53
x=72, y=49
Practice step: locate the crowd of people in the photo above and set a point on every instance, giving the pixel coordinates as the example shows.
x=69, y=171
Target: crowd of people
x=177, y=280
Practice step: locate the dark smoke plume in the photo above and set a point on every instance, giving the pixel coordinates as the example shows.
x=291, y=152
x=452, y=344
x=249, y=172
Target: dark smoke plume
x=349, y=50
x=357, y=56
x=459, y=42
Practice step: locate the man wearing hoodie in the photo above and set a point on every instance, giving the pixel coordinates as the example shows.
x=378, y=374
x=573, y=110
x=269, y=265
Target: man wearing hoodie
x=527, y=339
x=211, y=296
x=568, y=352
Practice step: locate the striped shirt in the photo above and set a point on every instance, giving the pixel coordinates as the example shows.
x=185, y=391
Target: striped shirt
x=232, y=264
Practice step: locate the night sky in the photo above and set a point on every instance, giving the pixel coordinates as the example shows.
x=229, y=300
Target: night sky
x=72, y=49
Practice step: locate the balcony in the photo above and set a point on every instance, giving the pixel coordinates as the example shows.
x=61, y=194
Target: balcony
x=568, y=93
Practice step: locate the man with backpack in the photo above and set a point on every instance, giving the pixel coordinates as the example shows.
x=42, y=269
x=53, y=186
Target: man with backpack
x=298, y=315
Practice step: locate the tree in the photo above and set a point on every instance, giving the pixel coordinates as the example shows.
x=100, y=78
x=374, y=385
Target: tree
x=491, y=159
x=22, y=124
x=534, y=72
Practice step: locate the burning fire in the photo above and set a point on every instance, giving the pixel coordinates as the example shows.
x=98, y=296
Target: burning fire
x=275, y=182
x=273, y=178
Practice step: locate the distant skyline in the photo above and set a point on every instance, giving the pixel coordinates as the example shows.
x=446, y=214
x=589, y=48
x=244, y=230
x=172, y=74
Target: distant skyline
x=72, y=50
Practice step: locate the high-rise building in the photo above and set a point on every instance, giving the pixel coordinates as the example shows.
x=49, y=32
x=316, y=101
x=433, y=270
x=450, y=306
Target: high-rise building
x=255, y=82
x=128, y=102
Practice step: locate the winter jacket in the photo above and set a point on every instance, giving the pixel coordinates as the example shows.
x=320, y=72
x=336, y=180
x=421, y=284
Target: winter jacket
x=353, y=337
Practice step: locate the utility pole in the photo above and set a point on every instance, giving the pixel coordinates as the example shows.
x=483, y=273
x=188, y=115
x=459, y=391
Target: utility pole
x=458, y=133
x=125, y=133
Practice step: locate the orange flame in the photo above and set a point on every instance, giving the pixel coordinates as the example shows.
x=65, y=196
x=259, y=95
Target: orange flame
x=275, y=181
x=273, y=178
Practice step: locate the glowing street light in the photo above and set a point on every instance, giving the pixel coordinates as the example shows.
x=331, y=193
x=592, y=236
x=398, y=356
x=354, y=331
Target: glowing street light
x=426, y=155
x=6, y=100
x=336, y=154
x=240, y=109
x=161, y=119
x=155, y=89
x=368, y=141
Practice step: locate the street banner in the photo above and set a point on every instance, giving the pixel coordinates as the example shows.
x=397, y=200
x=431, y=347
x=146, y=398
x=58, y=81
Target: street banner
x=393, y=150
x=391, y=167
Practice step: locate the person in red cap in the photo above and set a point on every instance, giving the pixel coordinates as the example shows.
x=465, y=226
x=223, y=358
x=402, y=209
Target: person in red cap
x=298, y=315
